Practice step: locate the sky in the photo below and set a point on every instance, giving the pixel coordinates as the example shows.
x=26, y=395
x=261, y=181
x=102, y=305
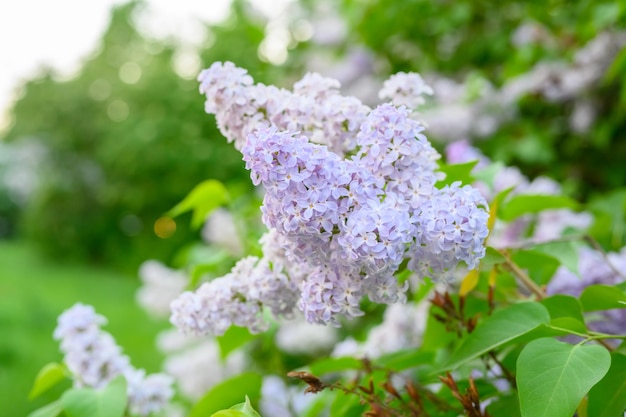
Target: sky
x=59, y=33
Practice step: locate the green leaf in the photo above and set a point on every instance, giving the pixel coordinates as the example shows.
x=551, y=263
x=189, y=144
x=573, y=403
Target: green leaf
x=616, y=69
x=505, y=406
x=405, y=359
x=501, y=327
x=610, y=214
x=110, y=401
x=608, y=397
x=525, y=204
x=346, y=405
x=569, y=324
x=202, y=200
x=561, y=305
x=489, y=173
x=553, y=377
x=227, y=393
x=244, y=409
x=234, y=338
x=329, y=365
x=436, y=336
x=457, y=172
x=51, y=410
x=208, y=260
x=229, y=413
x=602, y=297
x=50, y=375
x=565, y=313
x=492, y=257
x=540, y=266
x=565, y=252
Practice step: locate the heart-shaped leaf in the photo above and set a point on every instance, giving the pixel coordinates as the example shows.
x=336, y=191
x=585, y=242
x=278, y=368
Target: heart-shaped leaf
x=553, y=376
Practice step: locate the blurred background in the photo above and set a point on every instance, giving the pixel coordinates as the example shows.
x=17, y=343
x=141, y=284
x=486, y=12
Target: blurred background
x=102, y=129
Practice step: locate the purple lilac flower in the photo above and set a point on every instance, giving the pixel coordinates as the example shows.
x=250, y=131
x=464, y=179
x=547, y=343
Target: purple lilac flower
x=462, y=151
x=393, y=148
x=315, y=108
x=593, y=269
x=340, y=226
x=452, y=227
x=235, y=299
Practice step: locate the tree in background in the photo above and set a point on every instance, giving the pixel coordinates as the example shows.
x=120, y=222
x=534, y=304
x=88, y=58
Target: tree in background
x=124, y=142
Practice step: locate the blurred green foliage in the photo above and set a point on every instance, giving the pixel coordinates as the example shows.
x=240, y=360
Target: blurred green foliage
x=468, y=35
x=476, y=39
x=127, y=139
x=34, y=291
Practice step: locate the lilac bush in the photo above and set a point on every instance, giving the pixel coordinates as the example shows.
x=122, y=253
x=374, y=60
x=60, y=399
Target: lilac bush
x=471, y=259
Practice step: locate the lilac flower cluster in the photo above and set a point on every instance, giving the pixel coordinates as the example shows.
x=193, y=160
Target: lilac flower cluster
x=314, y=108
x=236, y=298
x=405, y=89
x=451, y=228
x=94, y=359
x=345, y=206
x=393, y=148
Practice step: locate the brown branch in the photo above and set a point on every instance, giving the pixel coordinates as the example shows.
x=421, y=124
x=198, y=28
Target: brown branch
x=522, y=276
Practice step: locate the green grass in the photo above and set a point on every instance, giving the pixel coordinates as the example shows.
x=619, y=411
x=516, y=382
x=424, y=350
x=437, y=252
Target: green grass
x=33, y=292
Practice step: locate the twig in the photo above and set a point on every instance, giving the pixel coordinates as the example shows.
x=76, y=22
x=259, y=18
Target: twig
x=526, y=280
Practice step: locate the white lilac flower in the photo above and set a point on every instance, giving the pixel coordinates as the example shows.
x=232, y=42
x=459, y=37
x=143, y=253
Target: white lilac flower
x=280, y=400
x=402, y=327
x=148, y=394
x=405, y=89
x=220, y=229
x=298, y=337
x=94, y=359
x=556, y=81
x=160, y=286
x=199, y=366
x=79, y=319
